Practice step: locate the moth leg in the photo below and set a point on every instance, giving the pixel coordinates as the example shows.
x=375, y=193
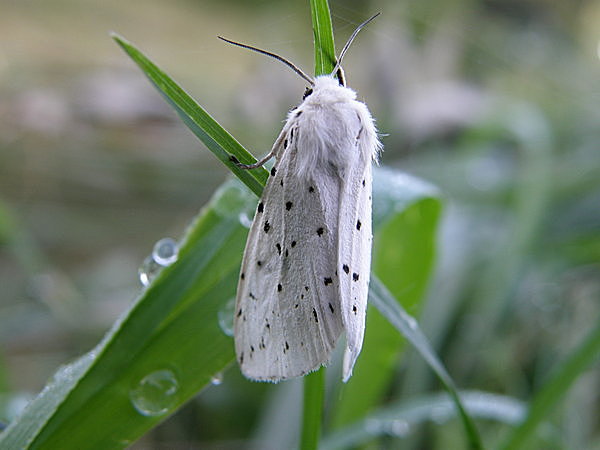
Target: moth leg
x=257, y=163
x=276, y=147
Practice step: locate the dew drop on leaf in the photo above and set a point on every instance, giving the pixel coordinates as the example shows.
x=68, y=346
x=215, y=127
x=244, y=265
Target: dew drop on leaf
x=156, y=393
x=225, y=317
x=245, y=219
x=165, y=252
x=148, y=271
x=217, y=379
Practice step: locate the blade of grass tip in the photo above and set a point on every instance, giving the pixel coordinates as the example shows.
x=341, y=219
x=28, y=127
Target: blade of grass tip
x=214, y=136
x=314, y=387
x=380, y=297
x=323, y=35
x=554, y=389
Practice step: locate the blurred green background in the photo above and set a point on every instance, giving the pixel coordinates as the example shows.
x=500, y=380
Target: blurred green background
x=497, y=102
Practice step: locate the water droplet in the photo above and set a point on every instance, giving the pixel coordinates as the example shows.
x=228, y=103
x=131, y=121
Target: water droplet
x=165, y=252
x=217, y=379
x=148, y=271
x=245, y=219
x=155, y=394
x=225, y=317
x=234, y=200
x=411, y=322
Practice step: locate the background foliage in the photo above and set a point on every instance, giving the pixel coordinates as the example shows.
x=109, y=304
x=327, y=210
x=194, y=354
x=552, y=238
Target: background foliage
x=494, y=102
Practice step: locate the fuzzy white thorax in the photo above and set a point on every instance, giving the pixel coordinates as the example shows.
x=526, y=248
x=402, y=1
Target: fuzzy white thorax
x=328, y=119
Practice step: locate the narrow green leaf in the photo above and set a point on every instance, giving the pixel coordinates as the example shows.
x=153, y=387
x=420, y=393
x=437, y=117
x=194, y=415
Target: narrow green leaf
x=323, y=34
x=314, y=388
x=314, y=384
x=161, y=352
x=554, y=389
x=399, y=419
x=381, y=298
x=215, y=137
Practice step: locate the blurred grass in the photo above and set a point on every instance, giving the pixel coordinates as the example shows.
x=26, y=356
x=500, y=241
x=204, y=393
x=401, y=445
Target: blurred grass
x=89, y=193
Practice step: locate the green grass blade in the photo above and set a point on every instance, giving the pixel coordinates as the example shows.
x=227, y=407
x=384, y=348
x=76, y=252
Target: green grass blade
x=314, y=384
x=323, y=34
x=554, y=389
x=381, y=298
x=215, y=137
x=162, y=351
x=399, y=419
x=314, y=388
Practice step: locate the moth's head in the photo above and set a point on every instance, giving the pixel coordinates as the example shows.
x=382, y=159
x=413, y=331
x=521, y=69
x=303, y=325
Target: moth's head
x=327, y=89
x=337, y=75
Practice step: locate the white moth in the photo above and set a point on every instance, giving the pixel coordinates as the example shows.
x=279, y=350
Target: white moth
x=305, y=272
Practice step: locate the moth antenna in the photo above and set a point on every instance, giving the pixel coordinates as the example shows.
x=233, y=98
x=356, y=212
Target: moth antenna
x=272, y=55
x=345, y=49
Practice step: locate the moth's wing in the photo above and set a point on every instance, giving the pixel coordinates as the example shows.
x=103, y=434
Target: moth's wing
x=287, y=317
x=355, y=240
